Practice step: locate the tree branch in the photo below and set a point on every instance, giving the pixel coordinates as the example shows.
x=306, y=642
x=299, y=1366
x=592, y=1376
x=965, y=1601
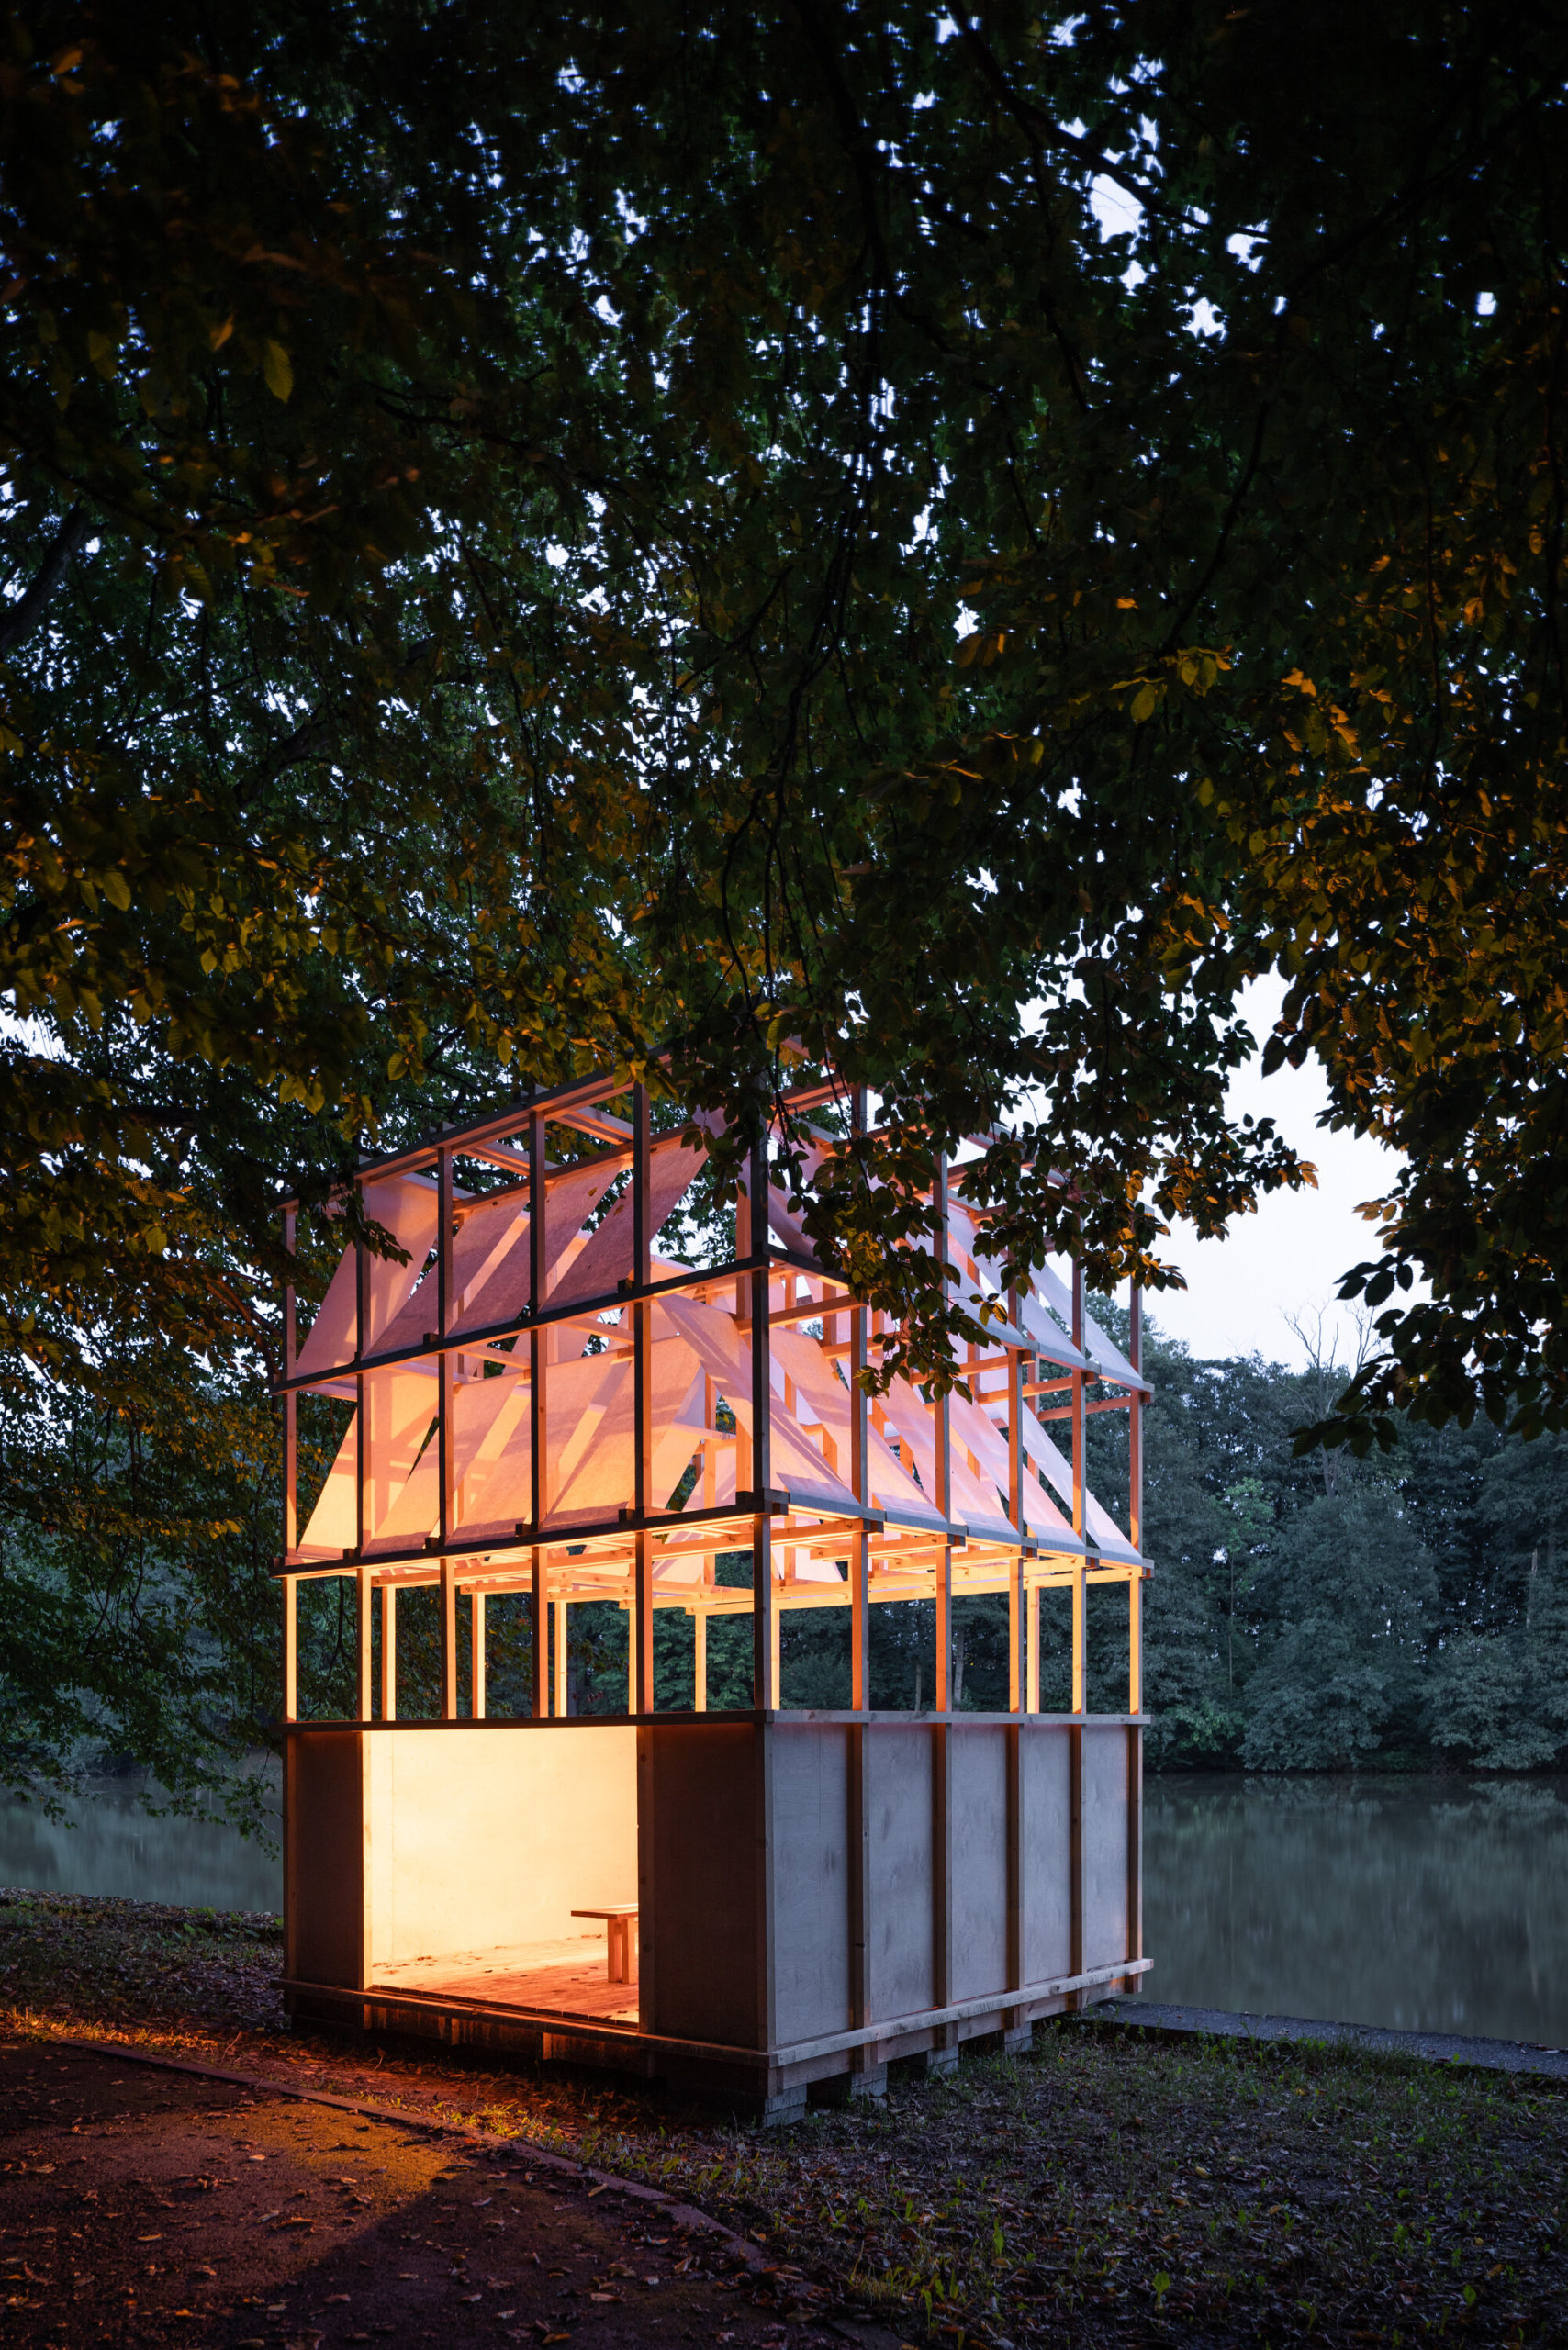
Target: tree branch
x=68, y=541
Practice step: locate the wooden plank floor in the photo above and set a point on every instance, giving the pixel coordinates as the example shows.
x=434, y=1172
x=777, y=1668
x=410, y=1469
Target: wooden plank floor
x=565, y=1978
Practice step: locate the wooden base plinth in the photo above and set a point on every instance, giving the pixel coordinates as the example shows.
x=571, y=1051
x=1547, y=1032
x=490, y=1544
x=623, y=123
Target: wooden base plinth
x=770, y=2088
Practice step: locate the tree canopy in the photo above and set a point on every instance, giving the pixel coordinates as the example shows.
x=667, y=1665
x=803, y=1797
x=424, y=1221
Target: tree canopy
x=689, y=537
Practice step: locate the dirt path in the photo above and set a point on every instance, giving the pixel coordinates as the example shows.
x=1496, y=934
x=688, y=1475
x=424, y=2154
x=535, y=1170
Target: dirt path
x=143, y=2206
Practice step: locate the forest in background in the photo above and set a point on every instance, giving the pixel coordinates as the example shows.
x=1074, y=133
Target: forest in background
x=1305, y=1614
x=1315, y=1613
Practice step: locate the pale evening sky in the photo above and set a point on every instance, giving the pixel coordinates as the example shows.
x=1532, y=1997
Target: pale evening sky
x=1288, y=1257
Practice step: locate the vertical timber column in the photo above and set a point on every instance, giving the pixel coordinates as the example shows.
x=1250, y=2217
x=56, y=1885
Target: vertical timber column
x=859, y=1563
x=1135, y=1646
x=944, y=2052
x=449, y=1640
x=477, y=1656
x=700, y=1659
x=1078, y=1841
x=446, y=1310
x=361, y=1433
x=446, y=1438
x=291, y=1647
x=1135, y=1418
x=1017, y=1596
x=290, y=1487
x=1017, y=1679
x=1032, y=1647
x=864, y=2067
x=365, y=1627
x=1079, y=1497
x=944, y=1496
x=364, y=1469
x=641, y=1622
x=1135, y=1776
x=539, y=1693
x=538, y=1404
x=562, y=1686
x=389, y=1651
x=765, y=1691
x=291, y=1399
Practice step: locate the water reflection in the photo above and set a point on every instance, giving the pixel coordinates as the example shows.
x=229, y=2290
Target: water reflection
x=1425, y=1904
x=1437, y=1904
x=107, y=1843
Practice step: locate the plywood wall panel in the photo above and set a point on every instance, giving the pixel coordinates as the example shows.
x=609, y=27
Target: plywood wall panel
x=1104, y=1845
x=980, y=1859
x=703, y=1871
x=324, y=1867
x=809, y=1854
x=901, y=1958
x=1044, y=1791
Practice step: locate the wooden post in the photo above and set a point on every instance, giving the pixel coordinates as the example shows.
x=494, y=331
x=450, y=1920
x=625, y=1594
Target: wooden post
x=1135, y=1849
x=1134, y=1422
x=291, y=1399
x=562, y=1686
x=1079, y=1498
x=1080, y=1594
x=477, y=1656
x=540, y=1691
x=449, y=1640
x=1017, y=1604
x=777, y=1621
x=1017, y=1863
x=539, y=1416
x=389, y=1651
x=1077, y=1840
x=943, y=1692
x=860, y=1474
x=538, y=1339
x=864, y=2067
x=640, y=1624
x=764, y=1688
x=1135, y=1641
x=1077, y=1422
x=446, y=1310
x=1032, y=1648
x=944, y=2053
x=1134, y=1983
x=699, y=1659
x=1077, y=1856
x=864, y=2060
x=362, y=1446
x=291, y=1647
x=364, y=1626
x=1017, y=1596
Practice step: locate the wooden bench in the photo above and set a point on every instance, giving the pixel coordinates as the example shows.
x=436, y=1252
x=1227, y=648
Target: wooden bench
x=620, y=1933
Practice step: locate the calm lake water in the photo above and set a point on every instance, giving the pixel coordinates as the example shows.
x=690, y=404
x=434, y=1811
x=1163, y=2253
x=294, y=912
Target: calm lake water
x=1427, y=1904
x=1437, y=1905
x=107, y=1843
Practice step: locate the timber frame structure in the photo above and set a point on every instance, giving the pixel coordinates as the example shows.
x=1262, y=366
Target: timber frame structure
x=544, y=1405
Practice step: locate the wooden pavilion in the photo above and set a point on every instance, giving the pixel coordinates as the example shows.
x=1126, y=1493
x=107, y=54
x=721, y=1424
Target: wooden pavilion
x=544, y=1405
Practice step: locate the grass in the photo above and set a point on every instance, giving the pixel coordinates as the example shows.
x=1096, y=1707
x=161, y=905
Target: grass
x=1101, y=2190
